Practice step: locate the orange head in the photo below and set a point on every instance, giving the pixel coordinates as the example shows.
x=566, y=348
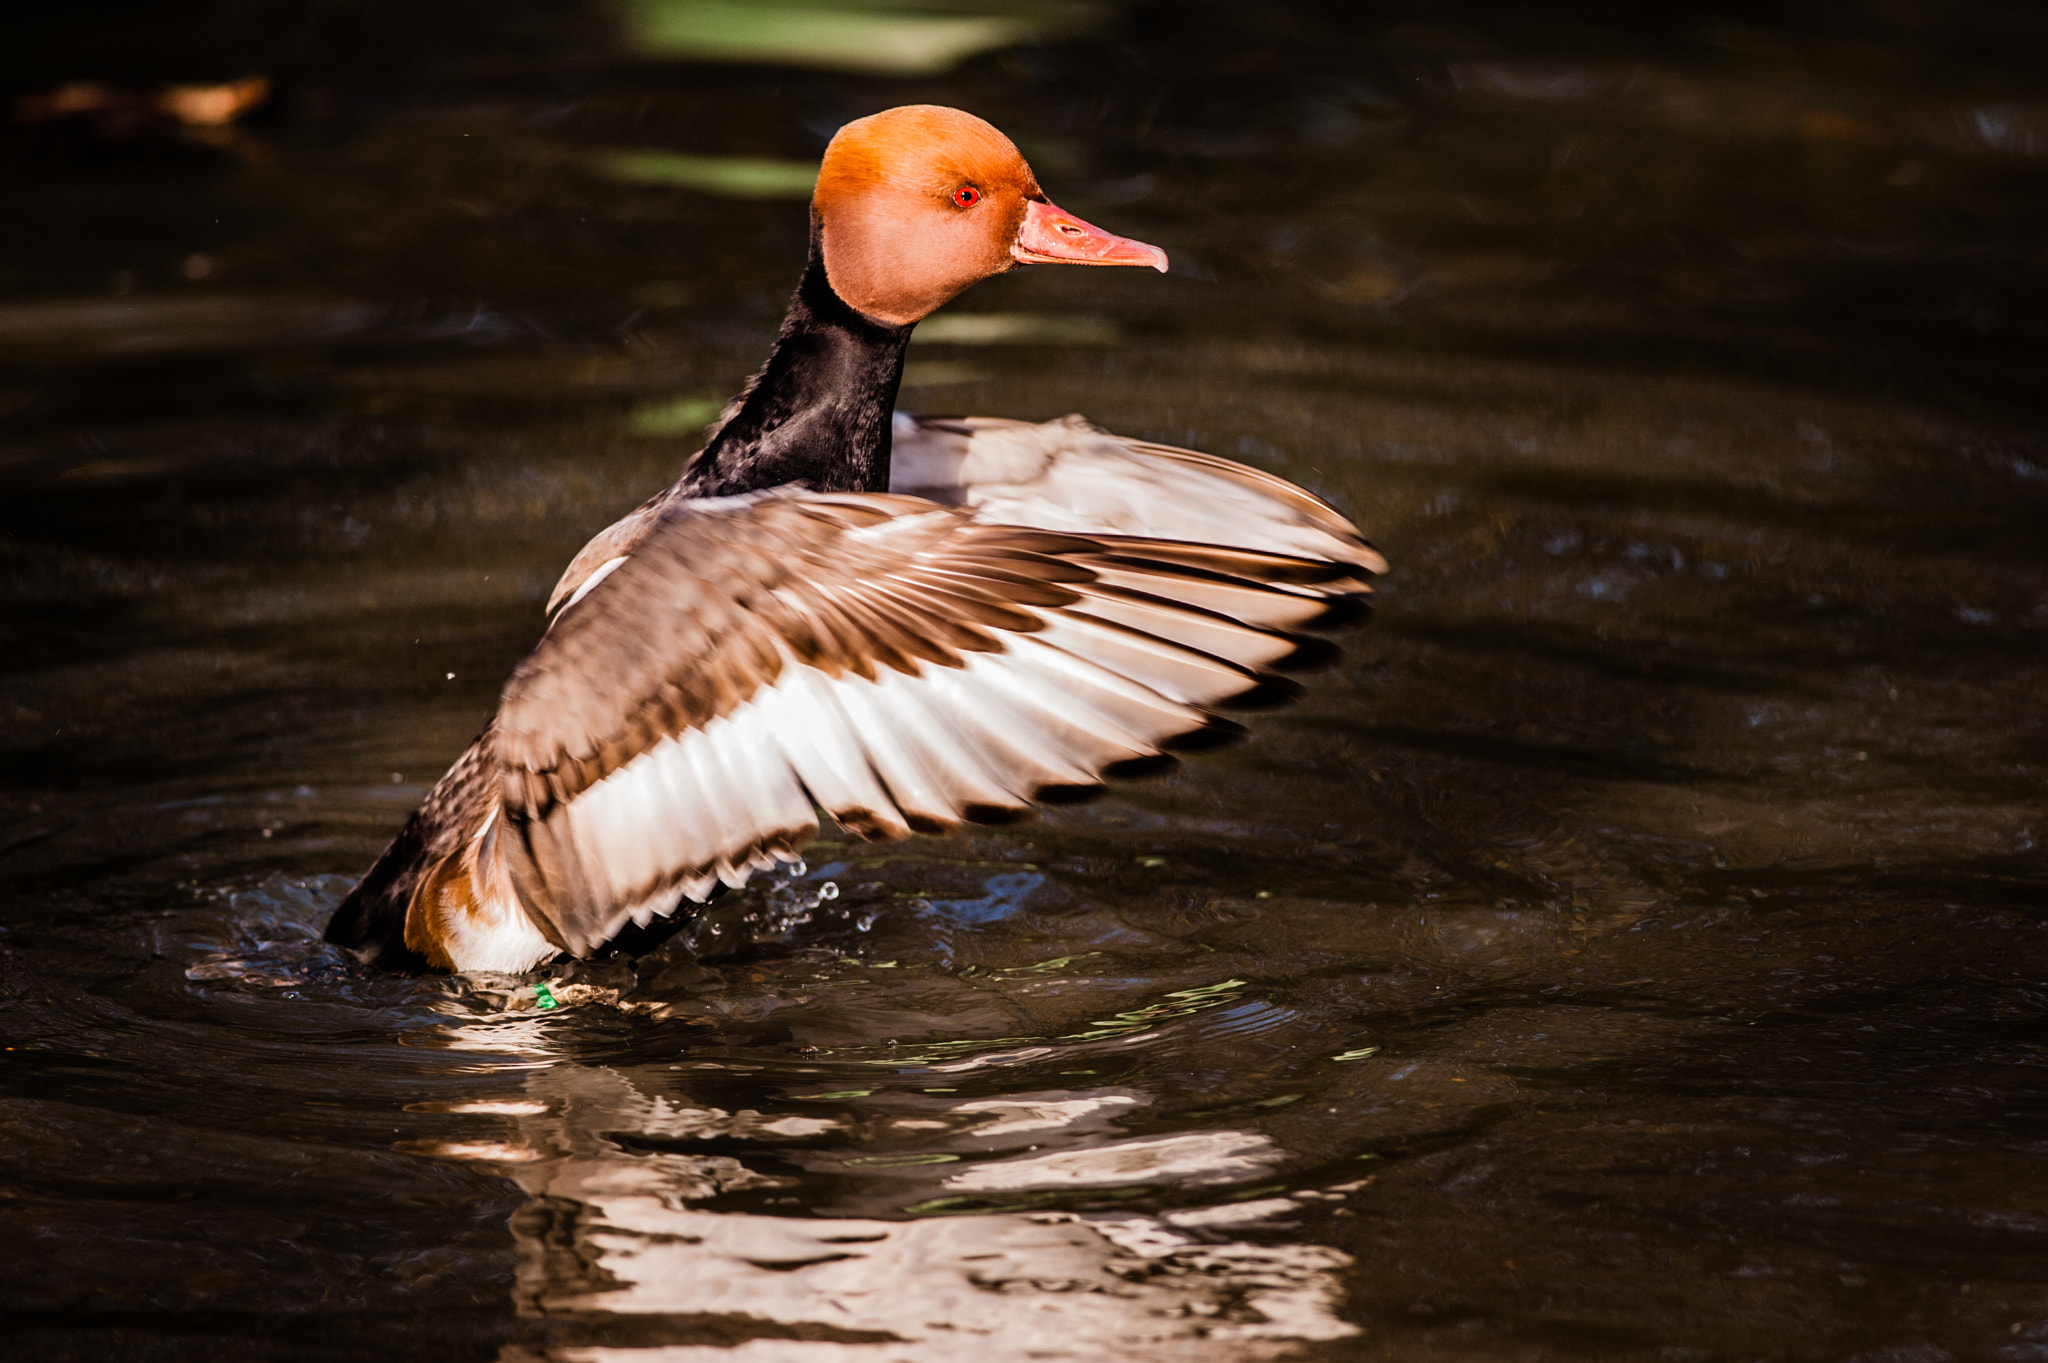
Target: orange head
x=916, y=203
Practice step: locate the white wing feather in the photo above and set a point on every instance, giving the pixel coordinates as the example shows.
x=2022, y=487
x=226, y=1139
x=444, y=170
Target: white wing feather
x=1114, y=677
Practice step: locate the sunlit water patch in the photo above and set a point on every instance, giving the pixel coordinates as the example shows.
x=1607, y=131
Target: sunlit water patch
x=616, y=1230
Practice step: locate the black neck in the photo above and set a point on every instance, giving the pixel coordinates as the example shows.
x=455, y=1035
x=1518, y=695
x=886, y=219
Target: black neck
x=818, y=412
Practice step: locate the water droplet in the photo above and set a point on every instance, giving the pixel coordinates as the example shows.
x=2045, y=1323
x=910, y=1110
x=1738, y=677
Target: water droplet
x=864, y=922
x=829, y=890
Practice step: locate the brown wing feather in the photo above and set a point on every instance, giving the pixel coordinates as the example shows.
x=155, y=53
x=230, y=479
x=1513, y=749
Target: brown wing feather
x=889, y=659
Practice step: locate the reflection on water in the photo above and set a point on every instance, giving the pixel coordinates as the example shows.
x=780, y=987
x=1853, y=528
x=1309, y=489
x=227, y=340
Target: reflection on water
x=1632, y=949
x=616, y=1241
x=859, y=35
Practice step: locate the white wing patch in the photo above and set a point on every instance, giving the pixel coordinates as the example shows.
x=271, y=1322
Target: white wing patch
x=1065, y=475
x=901, y=753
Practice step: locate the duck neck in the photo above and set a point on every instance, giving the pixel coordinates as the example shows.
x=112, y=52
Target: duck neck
x=818, y=413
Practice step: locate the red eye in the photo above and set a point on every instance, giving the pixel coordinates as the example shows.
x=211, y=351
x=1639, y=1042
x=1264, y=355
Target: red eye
x=967, y=196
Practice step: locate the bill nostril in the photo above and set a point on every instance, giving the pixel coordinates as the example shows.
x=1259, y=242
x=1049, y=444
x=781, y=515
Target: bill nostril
x=1050, y=235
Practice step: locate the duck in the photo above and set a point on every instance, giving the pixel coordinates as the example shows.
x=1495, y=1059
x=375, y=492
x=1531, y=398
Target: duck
x=909, y=624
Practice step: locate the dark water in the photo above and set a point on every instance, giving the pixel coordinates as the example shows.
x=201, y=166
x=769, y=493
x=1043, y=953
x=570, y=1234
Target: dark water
x=1634, y=949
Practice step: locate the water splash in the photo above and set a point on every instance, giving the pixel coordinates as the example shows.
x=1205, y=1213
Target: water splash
x=275, y=941
x=779, y=905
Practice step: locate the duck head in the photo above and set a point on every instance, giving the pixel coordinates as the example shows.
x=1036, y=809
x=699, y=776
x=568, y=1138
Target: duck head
x=916, y=203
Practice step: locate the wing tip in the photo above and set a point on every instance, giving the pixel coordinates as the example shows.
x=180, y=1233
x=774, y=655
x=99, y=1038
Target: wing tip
x=1311, y=653
x=1342, y=611
x=870, y=825
x=1138, y=768
x=1268, y=691
x=1216, y=733
x=995, y=816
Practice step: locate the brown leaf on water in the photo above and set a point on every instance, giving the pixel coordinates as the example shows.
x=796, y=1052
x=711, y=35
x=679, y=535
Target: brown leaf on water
x=192, y=106
x=214, y=106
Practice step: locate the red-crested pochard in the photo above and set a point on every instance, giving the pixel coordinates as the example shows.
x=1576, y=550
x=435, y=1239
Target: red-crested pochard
x=908, y=623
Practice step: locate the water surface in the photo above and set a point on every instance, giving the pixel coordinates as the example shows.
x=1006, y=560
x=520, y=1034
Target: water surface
x=1632, y=949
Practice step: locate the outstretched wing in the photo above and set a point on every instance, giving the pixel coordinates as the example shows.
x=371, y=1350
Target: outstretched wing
x=1067, y=475
x=895, y=662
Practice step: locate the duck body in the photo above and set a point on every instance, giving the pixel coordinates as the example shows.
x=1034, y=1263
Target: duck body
x=910, y=624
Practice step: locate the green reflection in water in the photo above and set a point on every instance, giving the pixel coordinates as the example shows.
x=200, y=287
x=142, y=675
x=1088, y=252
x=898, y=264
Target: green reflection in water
x=900, y=1161
x=858, y=36
x=738, y=177
x=675, y=416
x=1014, y=328
x=943, y=373
x=1044, y=967
x=1182, y=1002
